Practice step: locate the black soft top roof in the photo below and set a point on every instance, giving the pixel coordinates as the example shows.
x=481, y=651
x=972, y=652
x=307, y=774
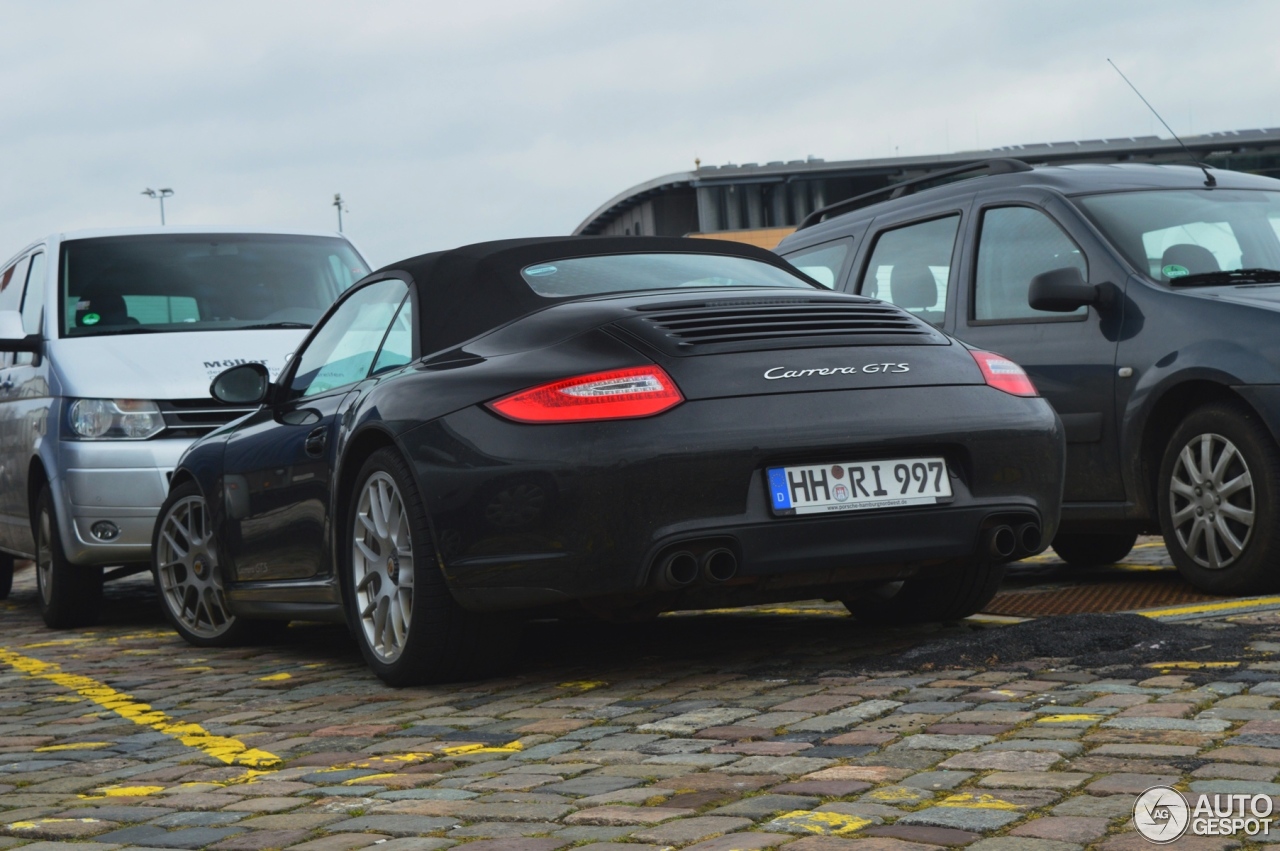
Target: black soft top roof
x=464, y=292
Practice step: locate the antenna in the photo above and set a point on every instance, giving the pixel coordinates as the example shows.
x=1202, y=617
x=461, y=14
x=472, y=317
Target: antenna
x=1208, y=178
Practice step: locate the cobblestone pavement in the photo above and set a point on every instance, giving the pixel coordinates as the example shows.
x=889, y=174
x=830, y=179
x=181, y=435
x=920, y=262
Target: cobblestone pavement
x=732, y=731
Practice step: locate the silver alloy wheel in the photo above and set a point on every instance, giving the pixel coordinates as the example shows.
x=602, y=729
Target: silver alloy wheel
x=44, y=558
x=188, y=574
x=1211, y=501
x=382, y=567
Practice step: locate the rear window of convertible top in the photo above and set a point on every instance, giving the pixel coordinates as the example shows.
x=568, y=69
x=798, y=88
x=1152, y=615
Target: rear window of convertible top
x=619, y=273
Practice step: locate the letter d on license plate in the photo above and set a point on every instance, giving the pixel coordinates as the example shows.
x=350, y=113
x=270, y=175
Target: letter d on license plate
x=858, y=485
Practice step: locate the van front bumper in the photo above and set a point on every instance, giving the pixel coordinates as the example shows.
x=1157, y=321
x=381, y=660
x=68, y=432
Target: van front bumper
x=119, y=482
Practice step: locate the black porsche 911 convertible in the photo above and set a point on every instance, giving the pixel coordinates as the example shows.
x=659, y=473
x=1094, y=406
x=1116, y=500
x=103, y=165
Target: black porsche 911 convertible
x=616, y=426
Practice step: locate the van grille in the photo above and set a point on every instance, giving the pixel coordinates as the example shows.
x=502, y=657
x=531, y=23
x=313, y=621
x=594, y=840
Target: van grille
x=763, y=320
x=194, y=417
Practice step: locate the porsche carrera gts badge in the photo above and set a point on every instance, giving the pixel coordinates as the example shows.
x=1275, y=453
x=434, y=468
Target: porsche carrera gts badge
x=783, y=372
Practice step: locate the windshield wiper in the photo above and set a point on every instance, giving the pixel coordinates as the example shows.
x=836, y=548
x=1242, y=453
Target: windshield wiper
x=273, y=325
x=132, y=329
x=1221, y=279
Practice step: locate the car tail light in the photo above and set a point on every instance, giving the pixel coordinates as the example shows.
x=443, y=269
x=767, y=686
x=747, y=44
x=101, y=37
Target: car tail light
x=615, y=394
x=1003, y=374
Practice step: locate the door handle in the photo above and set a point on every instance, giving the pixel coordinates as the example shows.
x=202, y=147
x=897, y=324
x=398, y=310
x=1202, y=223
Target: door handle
x=316, y=441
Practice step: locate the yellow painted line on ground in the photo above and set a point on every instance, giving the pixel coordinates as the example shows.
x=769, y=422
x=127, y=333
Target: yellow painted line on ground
x=275, y=678
x=1192, y=666
x=1068, y=717
x=583, y=685
x=222, y=748
x=1208, y=608
x=1143, y=568
x=74, y=746
x=977, y=802
x=458, y=750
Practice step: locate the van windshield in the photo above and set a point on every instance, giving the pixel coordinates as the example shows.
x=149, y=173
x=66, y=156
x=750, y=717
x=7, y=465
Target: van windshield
x=1193, y=237
x=201, y=282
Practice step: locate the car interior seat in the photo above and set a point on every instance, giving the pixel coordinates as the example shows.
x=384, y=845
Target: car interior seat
x=1196, y=259
x=914, y=288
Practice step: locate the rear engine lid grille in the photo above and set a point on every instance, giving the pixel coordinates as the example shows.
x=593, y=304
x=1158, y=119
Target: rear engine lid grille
x=740, y=324
x=193, y=417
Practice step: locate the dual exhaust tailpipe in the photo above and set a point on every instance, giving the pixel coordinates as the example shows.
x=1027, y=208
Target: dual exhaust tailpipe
x=681, y=568
x=1006, y=542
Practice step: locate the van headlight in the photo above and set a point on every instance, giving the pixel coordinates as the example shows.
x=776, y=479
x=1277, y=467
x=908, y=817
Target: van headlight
x=115, y=419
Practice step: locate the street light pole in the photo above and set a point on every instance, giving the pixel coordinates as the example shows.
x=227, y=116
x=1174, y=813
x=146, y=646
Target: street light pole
x=160, y=195
x=338, y=202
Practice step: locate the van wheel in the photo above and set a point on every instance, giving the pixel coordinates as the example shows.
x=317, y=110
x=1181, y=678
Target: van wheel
x=1219, y=501
x=70, y=595
x=950, y=593
x=407, y=623
x=1085, y=550
x=188, y=576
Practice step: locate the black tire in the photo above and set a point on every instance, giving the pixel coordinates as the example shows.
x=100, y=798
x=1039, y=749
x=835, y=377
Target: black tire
x=1086, y=550
x=1236, y=443
x=189, y=578
x=68, y=595
x=957, y=591
x=439, y=641
x=6, y=575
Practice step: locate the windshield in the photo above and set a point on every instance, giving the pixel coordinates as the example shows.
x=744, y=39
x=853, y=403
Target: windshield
x=618, y=273
x=1189, y=237
x=201, y=282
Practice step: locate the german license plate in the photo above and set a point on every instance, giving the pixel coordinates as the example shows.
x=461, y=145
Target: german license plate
x=858, y=485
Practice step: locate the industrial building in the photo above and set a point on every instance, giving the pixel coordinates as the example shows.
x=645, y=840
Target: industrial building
x=761, y=204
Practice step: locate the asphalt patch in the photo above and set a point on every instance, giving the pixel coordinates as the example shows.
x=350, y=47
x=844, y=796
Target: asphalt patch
x=1115, y=642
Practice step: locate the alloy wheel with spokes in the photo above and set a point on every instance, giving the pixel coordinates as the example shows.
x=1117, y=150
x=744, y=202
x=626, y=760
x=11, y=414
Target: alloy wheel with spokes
x=382, y=566
x=1218, y=496
x=187, y=570
x=189, y=577
x=1211, y=501
x=410, y=628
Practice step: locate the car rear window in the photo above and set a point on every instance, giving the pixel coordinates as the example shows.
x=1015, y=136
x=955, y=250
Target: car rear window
x=619, y=273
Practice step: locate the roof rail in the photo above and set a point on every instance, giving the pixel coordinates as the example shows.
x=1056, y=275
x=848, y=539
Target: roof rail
x=1003, y=165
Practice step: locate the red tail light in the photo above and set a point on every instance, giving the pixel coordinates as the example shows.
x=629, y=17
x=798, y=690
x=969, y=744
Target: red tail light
x=1003, y=374
x=615, y=394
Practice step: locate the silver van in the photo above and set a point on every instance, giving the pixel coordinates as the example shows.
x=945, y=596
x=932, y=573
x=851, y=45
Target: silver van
x=108, y=342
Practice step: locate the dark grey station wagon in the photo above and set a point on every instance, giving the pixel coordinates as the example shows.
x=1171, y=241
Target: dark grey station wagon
x=1144, y=302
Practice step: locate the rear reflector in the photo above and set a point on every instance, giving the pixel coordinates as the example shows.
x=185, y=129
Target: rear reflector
x=1003, y=374
x=616, y=394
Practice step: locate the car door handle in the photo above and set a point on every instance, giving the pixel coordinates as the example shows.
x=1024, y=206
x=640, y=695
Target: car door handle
x=316, y=442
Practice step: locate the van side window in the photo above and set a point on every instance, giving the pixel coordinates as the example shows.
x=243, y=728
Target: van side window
x=823, y=263
x=910, y=266
x=1018, y=243
x=12, y=281
x=32, y=305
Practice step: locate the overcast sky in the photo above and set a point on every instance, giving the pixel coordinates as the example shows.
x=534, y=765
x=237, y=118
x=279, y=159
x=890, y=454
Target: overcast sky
x=443, y=123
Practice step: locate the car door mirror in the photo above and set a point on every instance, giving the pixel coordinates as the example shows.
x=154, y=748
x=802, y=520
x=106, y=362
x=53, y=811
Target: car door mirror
x=246, y=384
x=1061, y=291
x=13, y=337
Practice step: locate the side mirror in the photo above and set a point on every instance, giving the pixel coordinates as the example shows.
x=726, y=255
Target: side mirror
x=1061, y=291
x=13, y=337
x=246, y=384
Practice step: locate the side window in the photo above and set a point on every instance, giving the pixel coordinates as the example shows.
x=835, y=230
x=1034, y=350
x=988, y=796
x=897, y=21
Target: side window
x=910, y=266
x=1018, y=243
x=32, y=305
x=33, y=298
x=343, y=348
x=12, y=280
x=823, y=263
x=397, y=349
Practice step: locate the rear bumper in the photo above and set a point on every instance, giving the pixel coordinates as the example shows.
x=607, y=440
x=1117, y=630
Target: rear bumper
x=527, y=515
